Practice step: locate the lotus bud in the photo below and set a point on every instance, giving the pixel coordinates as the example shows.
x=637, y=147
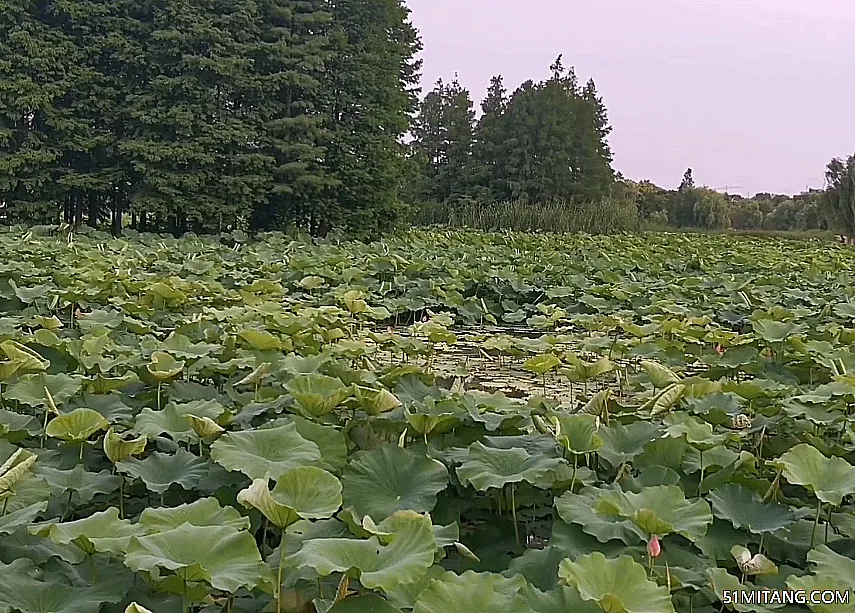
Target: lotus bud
x=653, y=547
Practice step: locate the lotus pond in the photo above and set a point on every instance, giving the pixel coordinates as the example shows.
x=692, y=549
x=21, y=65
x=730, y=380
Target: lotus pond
x=436, y=422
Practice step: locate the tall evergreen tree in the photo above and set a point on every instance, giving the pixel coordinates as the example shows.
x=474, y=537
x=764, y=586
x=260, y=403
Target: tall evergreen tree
x=39, y=67
x=193, y=140
x=489, y=169
x=292, y=57
x=370, y=94
x=444, y=132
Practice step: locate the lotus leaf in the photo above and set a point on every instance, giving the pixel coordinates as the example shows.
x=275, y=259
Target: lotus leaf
x=202, y=512
x=301, y=493
x=401, y=558
x=658, y=510
x=159, y=471
x=76, y=426
x=380, y=482
x=225, y=558
x=830, y=479
x=265, y=453
x=617, y=584
x=317, y=395
x=744, y=509
x=103, y=532
x=487, y=467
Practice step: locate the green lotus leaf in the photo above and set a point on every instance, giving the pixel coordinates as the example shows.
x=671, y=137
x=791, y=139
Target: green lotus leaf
x=11, y=522
x=618, y=584
x=660, y=376
x=723, y=582
x=204, y=427
x=375, y=402
x=579, y=433
x=21, y=591
x=382, y=481
x=381, y=562
x=431, y=423
x=623, y=443
x=164, y=367
x=666, y=400
x=331, y=442
x=118, y=448
x=172, y=420
x=159, y=471
x=136, y=608
x=560, y=600
x=14, y=469
x=260, y=339
x=317, y=395
x=366, y=603
x=580, y=509
x=21, y=359
x=182, y=347
x=301, y=493
x=83, y=485
x=698, y=434
x=266, y=452
x=581, y=371
x=76, y=426
x=202, y=512
x=542, y=364
x=776, y=331
x=225, y=558
x=481, y=593
x=830, y=479
x=831, y=571
x=744, y=509
x=658, y=510
x=15, y=422
x=42, y=389
x=102, y=532
x=487, y=467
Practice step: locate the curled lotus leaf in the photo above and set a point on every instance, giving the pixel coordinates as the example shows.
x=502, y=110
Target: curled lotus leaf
x=306, y=492
x=77, y=426
x=117, y=448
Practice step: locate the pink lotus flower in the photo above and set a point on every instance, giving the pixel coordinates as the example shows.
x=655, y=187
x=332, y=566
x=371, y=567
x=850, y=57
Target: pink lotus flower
x=653, y=547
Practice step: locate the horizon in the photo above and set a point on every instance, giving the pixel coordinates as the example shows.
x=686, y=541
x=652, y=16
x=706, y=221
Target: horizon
x=745, y=94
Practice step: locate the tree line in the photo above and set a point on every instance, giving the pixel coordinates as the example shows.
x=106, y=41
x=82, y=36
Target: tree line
x=204, y=116
x=213, y=115
x=547, y=140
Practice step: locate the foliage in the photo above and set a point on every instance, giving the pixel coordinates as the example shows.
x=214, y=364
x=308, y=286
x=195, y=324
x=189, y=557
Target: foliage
x=205, y=117
x=220, y=425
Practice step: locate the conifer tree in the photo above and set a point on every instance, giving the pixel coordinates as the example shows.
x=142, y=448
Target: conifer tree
x=370, y=94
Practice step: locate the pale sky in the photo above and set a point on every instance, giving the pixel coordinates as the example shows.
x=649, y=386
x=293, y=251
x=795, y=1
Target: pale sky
x=752, y=93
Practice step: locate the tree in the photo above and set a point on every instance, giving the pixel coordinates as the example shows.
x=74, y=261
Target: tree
x=370, y=95
x=840, y=194
x=443, y=133
x=489, y=173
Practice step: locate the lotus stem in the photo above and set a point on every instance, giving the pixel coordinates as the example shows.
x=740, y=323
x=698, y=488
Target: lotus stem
x=815, y=524
x=701, y=482
x=514, y=514
x=279, y=575
x=121, y=496
x=575, y=466
x=159, y=384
